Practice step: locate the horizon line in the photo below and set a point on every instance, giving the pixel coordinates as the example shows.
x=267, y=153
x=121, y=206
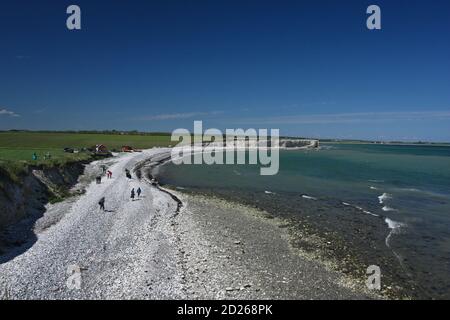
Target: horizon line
x=138, y=132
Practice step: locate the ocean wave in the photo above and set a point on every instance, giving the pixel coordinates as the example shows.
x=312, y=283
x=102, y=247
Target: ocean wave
x=395, y=228
x=386, y=208
x=371, y=213
x=308, y=197
x=410, y=190
x=373, y=188
x=384, y=197
x=360, y=209
x=322, y=147
x=269, y=192
x=367, y=211
x=376, y=181
x=423, y=192
x=393, y=224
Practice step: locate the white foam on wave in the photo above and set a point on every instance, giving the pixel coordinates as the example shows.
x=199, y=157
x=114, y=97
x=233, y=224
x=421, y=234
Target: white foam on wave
x=308, y=197
x=371, y=213
x=326, y=147
x=393, y=224
x=385, y=196
x=269, y=192
x=373, y=188
x=423, y=192
x=386, y=208
x=395, y=227
x=410, y=190
x=360, y=209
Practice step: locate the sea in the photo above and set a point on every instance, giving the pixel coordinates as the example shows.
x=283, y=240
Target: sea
x=359, y=204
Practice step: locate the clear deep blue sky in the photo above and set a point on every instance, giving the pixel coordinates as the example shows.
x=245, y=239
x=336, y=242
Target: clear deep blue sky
x=310, y=68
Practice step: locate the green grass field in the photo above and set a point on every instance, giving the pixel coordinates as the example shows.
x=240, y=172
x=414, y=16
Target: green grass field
x=17, y=148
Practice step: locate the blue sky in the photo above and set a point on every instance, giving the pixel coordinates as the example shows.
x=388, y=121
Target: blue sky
x=310, y=68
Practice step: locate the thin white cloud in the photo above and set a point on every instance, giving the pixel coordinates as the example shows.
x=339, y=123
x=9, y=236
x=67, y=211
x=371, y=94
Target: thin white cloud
x=343, y=118
x=4, y=112
x=186, y=115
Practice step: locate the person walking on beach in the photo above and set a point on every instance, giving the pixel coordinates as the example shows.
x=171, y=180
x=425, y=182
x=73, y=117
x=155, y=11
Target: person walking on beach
x=109, y=174
x=138, y=191
x=132, y=194
x=101, y=203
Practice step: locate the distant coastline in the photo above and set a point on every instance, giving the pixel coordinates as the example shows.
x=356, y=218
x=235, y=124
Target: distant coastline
x=165, y=133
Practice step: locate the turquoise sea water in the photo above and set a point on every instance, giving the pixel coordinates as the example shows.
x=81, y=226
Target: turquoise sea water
x=405, y=188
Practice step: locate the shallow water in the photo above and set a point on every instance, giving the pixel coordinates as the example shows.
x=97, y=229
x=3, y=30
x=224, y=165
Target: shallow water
x=402, y=193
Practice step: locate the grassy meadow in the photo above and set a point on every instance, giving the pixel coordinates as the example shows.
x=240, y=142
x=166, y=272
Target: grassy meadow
x=17, y=148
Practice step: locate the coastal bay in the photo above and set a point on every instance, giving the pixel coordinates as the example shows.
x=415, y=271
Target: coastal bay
x=360, y=204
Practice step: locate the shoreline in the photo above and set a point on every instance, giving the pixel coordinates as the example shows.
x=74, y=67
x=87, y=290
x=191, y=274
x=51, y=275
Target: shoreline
x=320, y=243
x=252, y=254
x=317, y=245
x=208, y=207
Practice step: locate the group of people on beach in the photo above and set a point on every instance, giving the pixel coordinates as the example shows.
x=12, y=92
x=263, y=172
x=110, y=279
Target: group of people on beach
x=133, y=193
x=138, y=192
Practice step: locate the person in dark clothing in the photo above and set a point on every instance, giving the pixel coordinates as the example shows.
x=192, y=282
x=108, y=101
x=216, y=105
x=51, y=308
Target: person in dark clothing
x=101, y=203
x=138, y=191
x=132, y=194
